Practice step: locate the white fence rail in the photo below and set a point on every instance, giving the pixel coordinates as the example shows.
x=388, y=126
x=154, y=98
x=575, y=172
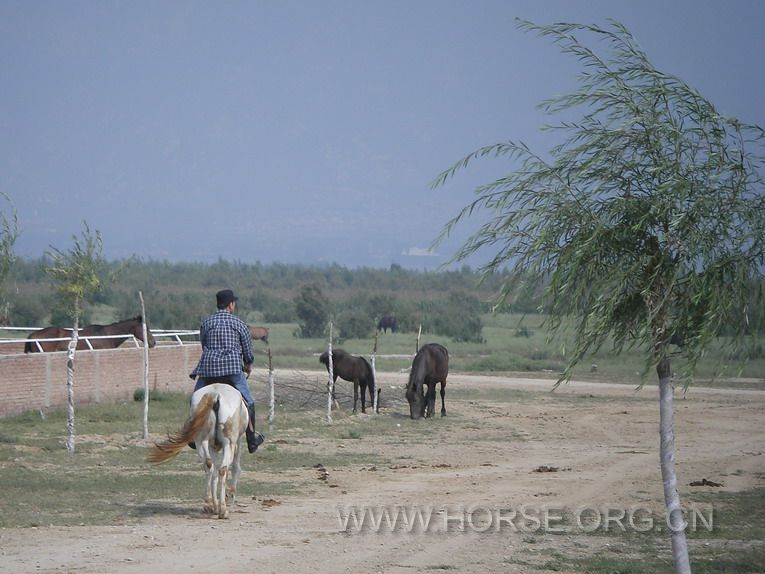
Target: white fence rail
x=174, y=337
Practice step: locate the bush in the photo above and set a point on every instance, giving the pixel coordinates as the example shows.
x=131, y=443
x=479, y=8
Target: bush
x=355, y=324
x=459, y=317
x=312, y=309
x=285, y=313
x=153, y=396
x=27, y=311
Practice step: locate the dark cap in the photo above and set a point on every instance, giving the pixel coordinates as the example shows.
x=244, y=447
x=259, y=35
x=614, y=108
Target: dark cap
x=224, y=297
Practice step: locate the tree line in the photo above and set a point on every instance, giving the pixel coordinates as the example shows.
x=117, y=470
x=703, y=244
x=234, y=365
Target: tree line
x=180, y=294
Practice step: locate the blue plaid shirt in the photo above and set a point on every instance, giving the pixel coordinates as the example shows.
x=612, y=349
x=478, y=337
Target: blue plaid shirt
x=226, y=344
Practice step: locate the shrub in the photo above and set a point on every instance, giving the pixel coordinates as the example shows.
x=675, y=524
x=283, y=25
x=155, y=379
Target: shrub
x=312, y=308
x=355, y=324
x=459, y=317
x=153, y=396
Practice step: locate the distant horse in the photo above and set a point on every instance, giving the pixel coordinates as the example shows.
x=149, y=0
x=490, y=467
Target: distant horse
x=430, y=366
x=129, y=327
x=259, y=333
x=356, y=370
x=387, y=322
x=217, y=421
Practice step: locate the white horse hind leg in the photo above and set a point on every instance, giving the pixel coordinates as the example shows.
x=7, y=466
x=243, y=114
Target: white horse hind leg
x=222, y=509
x=226, y=460
x=236, y=470
x=203, y=450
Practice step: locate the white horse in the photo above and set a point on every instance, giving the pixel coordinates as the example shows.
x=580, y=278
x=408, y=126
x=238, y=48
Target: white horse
x=216, y=424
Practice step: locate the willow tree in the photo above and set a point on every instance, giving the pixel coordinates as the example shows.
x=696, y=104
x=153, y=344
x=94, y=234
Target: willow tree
x=645, y=221
x=76, y=275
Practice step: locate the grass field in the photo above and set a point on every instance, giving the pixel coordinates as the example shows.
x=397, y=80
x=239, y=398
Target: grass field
x=513, y=344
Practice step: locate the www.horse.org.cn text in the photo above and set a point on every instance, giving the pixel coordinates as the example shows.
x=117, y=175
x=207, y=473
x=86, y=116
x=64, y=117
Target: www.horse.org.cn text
x=523, y=519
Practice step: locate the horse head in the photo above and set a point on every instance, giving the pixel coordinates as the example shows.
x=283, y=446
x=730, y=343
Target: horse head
x=414, y=392
x=138, y=332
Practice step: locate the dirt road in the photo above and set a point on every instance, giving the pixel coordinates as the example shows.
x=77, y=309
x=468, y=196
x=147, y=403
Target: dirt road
x=511, y=484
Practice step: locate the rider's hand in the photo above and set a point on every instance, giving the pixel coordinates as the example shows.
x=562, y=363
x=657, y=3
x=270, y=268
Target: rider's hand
x=247, y=368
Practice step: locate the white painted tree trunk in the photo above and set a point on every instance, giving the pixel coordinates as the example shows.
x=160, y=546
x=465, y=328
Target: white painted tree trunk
x=271, y=408
x=70, y=387
x=374, y=376
x=145, y=369
x=331, y=381
x=674, y=511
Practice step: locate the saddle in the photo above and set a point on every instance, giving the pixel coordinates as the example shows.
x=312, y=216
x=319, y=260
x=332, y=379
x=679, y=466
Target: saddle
x=227, y=381
x=214, y=380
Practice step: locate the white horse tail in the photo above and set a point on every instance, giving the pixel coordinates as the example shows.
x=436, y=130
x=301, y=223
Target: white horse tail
x=220, y=425
x=175, y=443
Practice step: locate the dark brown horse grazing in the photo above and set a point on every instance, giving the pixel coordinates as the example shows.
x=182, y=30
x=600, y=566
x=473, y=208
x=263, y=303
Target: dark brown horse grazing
x=387, y=322
x=129, y=327
x=354, y=369
x=430, y=366
x=259, y=333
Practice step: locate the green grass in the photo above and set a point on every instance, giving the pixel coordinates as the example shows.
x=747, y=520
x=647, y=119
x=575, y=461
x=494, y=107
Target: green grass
x=739, y=561
x=513, y=344
x=737, y=515
x=733, y=545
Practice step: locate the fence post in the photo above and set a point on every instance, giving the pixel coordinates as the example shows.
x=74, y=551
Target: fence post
x=145, y=369
x=331, y=381
x=70, y=387
x=419, y=333
x=374, y=376
x=270, y=391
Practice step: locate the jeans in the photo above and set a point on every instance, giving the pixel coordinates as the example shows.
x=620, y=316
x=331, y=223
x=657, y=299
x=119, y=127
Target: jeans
x=239, y=382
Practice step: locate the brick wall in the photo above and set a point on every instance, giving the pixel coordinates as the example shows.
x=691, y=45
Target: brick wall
x=38, y=380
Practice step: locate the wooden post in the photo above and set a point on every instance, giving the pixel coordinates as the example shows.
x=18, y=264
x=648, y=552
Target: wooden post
x=419, y=333
x=270, y=391
x=374, y=376
x=331, y=381
x=145, y=369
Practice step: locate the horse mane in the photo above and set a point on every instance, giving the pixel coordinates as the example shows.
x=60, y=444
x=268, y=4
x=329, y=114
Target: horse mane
x=422, y=361
x=415, y=375
x=137, y=318
x=337, y=355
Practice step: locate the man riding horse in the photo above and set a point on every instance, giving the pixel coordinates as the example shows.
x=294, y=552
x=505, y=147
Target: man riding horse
x=227, y=356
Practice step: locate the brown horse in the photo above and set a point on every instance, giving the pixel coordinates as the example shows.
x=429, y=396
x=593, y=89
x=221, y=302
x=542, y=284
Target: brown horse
x=354, y=369
x=259, y=333
x=129, y=328
x=430, y=366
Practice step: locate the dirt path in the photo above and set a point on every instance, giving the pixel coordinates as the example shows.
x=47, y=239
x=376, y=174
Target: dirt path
x=502, y=468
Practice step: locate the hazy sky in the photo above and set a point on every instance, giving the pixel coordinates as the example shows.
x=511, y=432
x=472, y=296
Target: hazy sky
x=302, y=131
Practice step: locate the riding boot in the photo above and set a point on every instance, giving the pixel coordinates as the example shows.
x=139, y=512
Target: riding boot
x=254, y=439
